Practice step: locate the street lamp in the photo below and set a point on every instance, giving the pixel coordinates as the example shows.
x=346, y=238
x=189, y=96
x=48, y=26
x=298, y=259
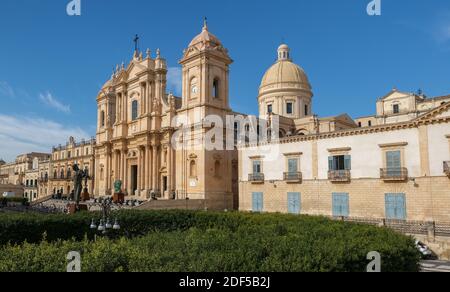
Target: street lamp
x=105, y=222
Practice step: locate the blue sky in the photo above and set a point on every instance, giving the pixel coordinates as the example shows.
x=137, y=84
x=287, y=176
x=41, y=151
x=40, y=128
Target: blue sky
x=52, y=65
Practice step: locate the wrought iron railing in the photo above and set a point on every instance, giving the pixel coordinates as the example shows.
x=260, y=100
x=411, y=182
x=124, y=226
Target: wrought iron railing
x=256, y=177
x=293, y=177
x=394, y=174
x=339, y=175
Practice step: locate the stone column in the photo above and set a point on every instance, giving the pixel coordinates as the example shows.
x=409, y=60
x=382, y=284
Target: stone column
x=169, y=169
x=124, y=107
x=155, y=168
x=125, y=173
x=147, y=166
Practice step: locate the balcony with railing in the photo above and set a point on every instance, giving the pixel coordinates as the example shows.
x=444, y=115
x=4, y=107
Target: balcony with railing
x=394, y=174
x=339, y=176
x=447, y=168
x=256, y=178
x=293, y=177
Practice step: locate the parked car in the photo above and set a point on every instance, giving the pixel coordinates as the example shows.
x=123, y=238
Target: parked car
x=424, y=250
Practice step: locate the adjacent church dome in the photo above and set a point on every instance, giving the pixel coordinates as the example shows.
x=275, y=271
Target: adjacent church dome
x=284, y=74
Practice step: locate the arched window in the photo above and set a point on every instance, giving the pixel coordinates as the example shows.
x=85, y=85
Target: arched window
x=55, y=175
x=193, y=169
x=193, y=87
x=69, y=173
x=134, y=110
x=217, y=168
x=62, y=173
x=102, y=118
x=216, y=88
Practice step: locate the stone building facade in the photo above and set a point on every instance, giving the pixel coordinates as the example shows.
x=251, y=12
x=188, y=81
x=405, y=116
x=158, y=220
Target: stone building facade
x=393, y=165
x=136, y=128
x=60, y=178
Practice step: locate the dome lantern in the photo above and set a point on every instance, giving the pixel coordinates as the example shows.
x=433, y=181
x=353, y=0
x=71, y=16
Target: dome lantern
x=284, y=53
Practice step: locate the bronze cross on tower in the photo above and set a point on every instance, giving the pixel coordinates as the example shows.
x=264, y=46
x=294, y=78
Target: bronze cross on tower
x=136, y=43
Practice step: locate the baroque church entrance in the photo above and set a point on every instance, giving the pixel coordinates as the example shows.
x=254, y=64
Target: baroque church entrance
x=134, y=179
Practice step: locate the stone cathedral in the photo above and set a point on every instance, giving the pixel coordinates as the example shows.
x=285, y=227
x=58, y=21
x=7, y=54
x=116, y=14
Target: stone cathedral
x=135, y=129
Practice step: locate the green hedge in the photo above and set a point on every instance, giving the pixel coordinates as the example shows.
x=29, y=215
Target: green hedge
x=202, y=241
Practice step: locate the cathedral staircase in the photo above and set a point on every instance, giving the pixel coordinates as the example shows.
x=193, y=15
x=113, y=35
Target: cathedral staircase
x=173, y=205
x=40, y=201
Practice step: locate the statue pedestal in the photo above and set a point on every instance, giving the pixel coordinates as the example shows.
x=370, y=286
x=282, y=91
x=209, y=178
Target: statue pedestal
x=85, y=196
x=73, y=208
x=119, y=198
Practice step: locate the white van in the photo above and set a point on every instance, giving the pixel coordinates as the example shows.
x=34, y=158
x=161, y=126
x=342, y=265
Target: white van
x=9, y=195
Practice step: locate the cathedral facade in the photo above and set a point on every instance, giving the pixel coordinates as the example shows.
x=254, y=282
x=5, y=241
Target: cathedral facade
x=137, y=128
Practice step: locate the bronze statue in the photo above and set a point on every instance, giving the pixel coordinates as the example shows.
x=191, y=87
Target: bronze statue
x=78, y=177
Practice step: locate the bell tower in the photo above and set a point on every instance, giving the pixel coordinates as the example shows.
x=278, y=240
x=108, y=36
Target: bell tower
x=205, y=73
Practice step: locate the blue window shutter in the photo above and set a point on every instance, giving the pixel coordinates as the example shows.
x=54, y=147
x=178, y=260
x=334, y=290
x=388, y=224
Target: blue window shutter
x=393, y=159
x=401, y=207
x=396, y=206
x=258, y=202
x=330, y=163
x=293, y=165
x=341, y=205
x=347, y=162
x=389, y=206
x=294, y=203
x=256, y=167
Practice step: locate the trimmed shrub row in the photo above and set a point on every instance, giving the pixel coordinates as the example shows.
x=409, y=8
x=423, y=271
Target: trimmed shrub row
x=201, y=241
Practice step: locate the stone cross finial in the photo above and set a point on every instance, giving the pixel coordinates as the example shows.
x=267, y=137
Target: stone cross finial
x=136, y=43
x=205, y=23
x=158, y=53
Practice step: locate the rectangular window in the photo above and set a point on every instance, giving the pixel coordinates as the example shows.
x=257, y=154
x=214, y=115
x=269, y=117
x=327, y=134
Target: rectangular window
x=257, y=167
x=306, y=110
x=340, y=205
x=294, y=203
x=269, y=109
x=370, y=123
x=396, y=109
x=396, y=206
x=134, y=110
x=341, y=162
x=258, y=202
x=393, y=163
x=289, y=108
x=293, y=165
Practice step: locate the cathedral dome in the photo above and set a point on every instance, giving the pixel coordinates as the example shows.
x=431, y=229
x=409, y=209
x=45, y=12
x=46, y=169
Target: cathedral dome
x=205, y=37
x=284, y=74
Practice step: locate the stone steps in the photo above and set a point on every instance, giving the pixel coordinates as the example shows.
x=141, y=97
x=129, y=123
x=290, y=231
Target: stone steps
x=173, y=205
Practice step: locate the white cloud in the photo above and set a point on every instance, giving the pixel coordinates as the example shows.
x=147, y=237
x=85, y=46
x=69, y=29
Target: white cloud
x=6, y=90
x=20, y=135
x=51, y=101
x=174, y=80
